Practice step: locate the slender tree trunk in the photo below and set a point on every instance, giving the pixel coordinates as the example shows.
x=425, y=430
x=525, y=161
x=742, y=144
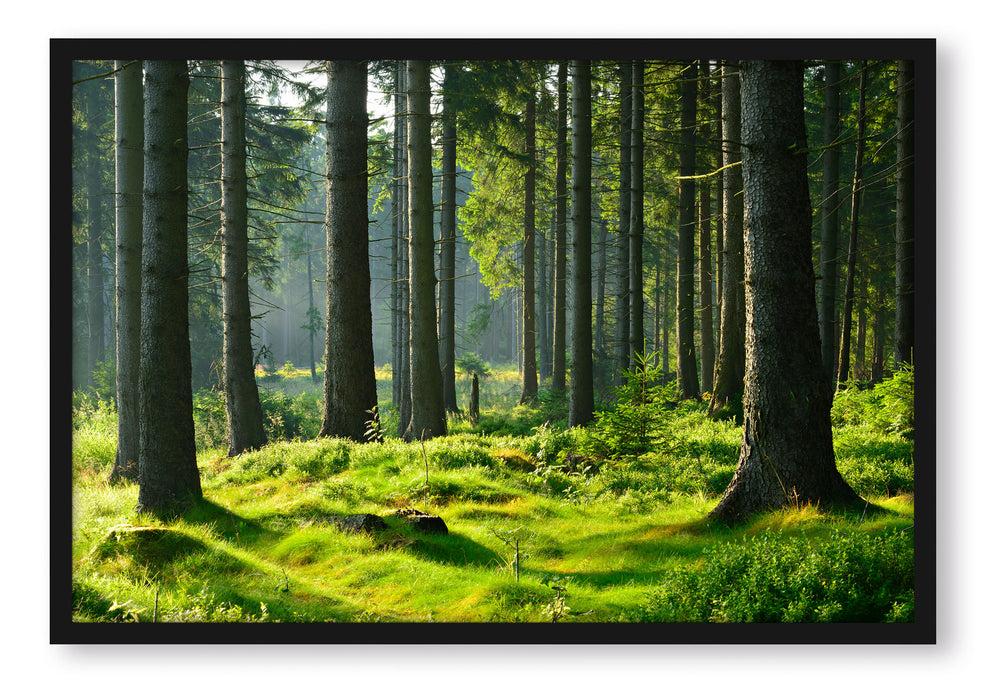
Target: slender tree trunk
x=94, y=234
x=705, y=251
x=719, y=207
x=129, y=161
x=844, y=347
x=401, y=125
x=582, y=402
x=428, y=418
x=622, y=266
x=448, y=238
x=349, y=390
x=560, y=242
x=169, y=478
x=398, y=177
x=786, y=455
x=687, y=364
x=543, y=309
x=312, y=308
x=730, y=363
x=245, y=421
x=530, y=379
x=830, y=217
x=904, y=271
x=601, y=365
x=637, y=348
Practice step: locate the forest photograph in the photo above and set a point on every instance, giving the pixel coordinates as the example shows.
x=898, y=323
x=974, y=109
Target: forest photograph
x=614, y=335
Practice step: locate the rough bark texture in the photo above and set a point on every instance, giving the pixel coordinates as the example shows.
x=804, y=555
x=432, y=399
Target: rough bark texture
x=129, y=177
x=582, y=400
x=349, y=383
x=830, y=218
x=786, y=455
x=687, y=362
x=448, y=238
x=731, y=360
x=530, y=379
x=245, y=421
x=560, y=240
x=169, y=478
x=428, y=418
x=904, y=271
x=637, y=338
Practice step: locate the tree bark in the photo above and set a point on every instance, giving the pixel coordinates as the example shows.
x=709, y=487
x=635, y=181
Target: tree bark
x=129, y=168
x=448, y=241
x=687, y=364
x=830, y=217
x=169, y=478
x=245, y=421
x=731, y=360
x=349, y=389
x=622, y=265
x=582, y=400
x=857, y=192
x=94, y=231
x=904, y=231
x=428, y=418
x=560, y=241
x=637, y=347
x=786, y=455
x=530, y=379
x=707, y=355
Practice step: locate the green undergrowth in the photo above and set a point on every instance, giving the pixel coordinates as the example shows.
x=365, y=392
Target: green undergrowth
x=606, y=529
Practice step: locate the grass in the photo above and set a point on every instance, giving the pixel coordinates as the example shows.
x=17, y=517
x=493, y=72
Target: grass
x=601, y=537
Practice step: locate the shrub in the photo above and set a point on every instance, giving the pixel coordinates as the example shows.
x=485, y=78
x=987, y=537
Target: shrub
x=775, y=578
x=470, y=363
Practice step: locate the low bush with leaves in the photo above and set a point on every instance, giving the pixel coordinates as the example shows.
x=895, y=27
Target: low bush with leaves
x=773, y=577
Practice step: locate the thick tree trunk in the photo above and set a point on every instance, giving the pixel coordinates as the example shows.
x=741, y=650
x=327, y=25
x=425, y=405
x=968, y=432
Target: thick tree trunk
x=169, y=478
x=857, y=193
x=731, y=360
x=687, y=362
x=560, y=241
x=637, y=348
x=904, y=271
x=530, y=379
x=787, y=454
x=245, y=421
x=830, y=217
x=582, y=401
x=129, y=158
x=622, y=239
x=349, y=382
x=428, y=418
x=448, y=238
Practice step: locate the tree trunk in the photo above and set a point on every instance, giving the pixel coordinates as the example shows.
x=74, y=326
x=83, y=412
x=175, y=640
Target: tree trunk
x=849, y=297
x=830, y=217
x=687, y=364
x=94, y=233
x=169, y=478
x=637, y=348
x=245, y=421
x=530, y=379
x=730, y=363
x=349, y=390
x=904, y=271
x=622, y=266
x=428, y=418
x=582, y=401
x=448, y=233
x=129, y=162
x=402, y=154
x=707, y=356
x=560, y=242
x=786, y=455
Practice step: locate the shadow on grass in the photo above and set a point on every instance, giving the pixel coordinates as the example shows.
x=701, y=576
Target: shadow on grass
x=453, y=549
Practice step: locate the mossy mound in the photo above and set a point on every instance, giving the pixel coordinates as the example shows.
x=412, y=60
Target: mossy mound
x=147, y=545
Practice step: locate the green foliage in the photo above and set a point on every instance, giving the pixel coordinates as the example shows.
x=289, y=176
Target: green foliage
x=315, y=459
x=778, y=578
x=887, y=408
x=635, y=422
x=470, y=363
